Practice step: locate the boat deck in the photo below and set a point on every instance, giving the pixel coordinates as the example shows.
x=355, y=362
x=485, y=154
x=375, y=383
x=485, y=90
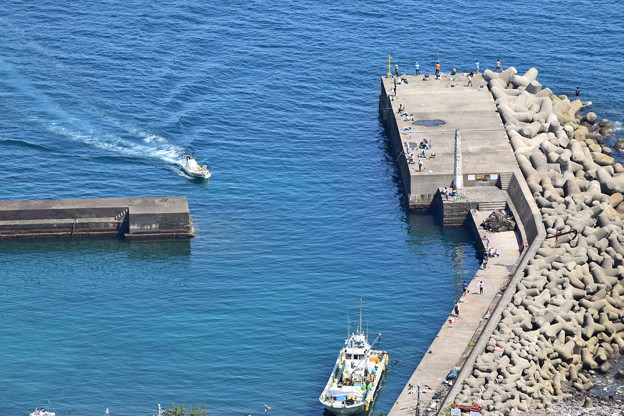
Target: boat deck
x=342, y=395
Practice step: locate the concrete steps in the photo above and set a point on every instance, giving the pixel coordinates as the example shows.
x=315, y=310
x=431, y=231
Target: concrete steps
x=121, y=215
x=504, y=180
x=492, y=205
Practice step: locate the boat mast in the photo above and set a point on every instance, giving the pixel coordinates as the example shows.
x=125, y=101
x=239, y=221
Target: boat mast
x=348, y=325
x=361, y=316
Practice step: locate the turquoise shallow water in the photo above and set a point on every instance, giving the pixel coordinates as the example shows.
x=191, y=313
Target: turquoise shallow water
x=302, y=217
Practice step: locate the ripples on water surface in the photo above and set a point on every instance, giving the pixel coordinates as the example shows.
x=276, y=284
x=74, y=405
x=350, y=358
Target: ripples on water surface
x=302, y=217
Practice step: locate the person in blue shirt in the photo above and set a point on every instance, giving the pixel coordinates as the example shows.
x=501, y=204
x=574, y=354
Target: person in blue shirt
x=417, y=68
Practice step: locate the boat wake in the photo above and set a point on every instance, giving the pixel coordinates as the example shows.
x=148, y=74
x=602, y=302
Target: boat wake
x=151, y=146
x=43, y=110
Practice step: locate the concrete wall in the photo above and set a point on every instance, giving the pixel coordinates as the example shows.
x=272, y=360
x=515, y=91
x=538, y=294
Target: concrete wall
x=529, y=215
x=34, y=210
x=424, y=188
x=456, y=213
x=142, y=225
x=163, y=217
x=392, y=131
x=525, y=206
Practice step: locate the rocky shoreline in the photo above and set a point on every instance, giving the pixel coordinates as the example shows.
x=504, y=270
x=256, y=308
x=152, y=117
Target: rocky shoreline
x=565, y=323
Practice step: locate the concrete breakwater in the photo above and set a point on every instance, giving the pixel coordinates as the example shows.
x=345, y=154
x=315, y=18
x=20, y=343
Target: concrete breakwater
x=565, y=320
x=406, y=108
x=426, y=110
x=132, y=218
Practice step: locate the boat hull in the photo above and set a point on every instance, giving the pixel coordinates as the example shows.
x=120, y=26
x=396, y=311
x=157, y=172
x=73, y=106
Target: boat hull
x=198, y=175
x=362, y=403
x=356, y=376
x=193, y=169
x=344, y=410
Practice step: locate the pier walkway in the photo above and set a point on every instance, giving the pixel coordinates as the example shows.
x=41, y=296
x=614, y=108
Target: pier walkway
x=439, y=107
x=453, y=343
x=431, y=111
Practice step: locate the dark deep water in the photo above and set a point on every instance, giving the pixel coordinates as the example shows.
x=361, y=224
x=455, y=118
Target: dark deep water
x=302, y=217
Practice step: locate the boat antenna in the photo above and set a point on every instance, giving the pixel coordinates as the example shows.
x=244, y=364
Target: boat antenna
x=348, y=324
x=361, y=315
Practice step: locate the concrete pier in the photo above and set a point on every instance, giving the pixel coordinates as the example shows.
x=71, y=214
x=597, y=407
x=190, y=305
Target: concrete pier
x=558, y=323
x=435, y=112
x=131, y=218
x=439, y=108
x=459, y=333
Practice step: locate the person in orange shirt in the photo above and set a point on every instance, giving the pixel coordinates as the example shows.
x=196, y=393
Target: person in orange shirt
x=437, y=68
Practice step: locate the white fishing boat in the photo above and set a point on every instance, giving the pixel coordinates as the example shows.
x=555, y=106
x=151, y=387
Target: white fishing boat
x=192, y=168
x=42, y=412
x=356, y=376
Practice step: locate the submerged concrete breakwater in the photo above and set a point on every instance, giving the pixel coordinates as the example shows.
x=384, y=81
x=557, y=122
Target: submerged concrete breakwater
x=565, y=321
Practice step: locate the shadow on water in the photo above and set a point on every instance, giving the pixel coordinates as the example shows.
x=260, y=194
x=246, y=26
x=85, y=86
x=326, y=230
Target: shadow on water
x=135, y=249
x=391, y=159
x=431, y=240
x=424, y=228
x=197, y=181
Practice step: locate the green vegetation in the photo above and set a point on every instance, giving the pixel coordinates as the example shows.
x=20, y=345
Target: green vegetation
x=183, y=411
x=446, y=410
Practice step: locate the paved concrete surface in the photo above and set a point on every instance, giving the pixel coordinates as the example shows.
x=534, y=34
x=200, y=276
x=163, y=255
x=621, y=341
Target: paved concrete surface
x=53, y=207
x=451, y=345
x=468, y=109
x=479, y=194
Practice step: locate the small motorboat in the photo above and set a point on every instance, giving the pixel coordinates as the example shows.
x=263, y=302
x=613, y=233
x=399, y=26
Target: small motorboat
x=192, y=168
x=42, y=412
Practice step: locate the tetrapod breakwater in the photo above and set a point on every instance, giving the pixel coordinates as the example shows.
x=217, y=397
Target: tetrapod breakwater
x=557, y=320
x=563, y=323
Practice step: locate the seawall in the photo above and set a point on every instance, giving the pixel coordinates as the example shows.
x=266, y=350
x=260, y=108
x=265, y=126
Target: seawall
x=562, y=320
x=488, y=186
x=559, y=319
x=131, y=218
x=426, y=110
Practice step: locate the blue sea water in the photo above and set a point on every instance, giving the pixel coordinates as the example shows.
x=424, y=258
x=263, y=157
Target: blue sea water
x=303, y=215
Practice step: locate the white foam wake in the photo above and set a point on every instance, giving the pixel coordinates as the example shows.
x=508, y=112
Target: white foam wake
x=43, y=110
x=162, y=150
